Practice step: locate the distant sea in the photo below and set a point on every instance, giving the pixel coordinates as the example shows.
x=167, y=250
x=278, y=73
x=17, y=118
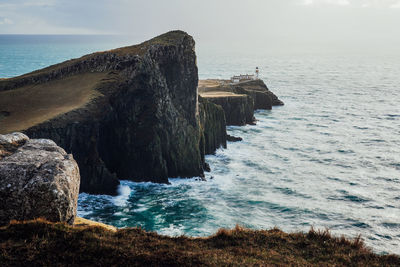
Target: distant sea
x=329, y=158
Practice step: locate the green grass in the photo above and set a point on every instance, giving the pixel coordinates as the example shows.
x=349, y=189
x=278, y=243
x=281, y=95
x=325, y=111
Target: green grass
x=39, y=243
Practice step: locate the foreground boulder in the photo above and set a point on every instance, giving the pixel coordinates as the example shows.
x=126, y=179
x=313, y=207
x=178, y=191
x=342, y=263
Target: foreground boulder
x=38, y=179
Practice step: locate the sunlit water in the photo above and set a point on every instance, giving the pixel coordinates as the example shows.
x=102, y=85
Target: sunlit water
x=329, y=158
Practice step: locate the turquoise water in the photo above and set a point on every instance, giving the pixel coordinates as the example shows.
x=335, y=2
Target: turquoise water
x=329, y=158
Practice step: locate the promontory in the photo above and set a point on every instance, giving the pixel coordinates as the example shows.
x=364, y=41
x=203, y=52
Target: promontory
x=130, y=113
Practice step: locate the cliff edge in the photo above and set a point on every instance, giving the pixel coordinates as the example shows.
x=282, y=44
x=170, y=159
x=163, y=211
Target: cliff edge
x=239, y=100
x=129, y=113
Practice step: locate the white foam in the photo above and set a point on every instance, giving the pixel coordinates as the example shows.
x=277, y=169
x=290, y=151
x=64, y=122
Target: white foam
x=172, y=230
x=124, y=194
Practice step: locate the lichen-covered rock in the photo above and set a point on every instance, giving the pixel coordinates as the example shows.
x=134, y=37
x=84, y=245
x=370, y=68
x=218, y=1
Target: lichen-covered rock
x=38, y=179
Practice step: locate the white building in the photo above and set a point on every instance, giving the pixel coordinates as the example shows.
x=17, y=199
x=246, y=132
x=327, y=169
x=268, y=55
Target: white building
x=246, y=77
x=242, y=78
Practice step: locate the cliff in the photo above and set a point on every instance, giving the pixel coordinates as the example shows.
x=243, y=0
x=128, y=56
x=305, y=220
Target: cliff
x=213, y=123
x=239, y=100
x=129, y=113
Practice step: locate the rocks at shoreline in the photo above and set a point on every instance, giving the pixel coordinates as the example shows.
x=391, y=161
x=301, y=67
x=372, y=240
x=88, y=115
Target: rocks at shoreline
x=38, y=179
x=239, y=100
x=258, y=90
x=231, y=138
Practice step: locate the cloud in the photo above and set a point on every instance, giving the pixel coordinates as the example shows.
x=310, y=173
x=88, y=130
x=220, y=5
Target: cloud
x=28, y=3
x=331, y=2
x=291, y=19
x=396, y=5
x=5, y=21
x=355, y=3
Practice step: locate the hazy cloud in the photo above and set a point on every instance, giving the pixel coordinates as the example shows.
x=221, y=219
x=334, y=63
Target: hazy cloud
x=5, y=21
x=332, y=2
x=354, y=3
x=396, y=5
x=230, y=23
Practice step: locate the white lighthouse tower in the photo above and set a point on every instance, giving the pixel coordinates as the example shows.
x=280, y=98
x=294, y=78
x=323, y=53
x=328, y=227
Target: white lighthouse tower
x=257, y=73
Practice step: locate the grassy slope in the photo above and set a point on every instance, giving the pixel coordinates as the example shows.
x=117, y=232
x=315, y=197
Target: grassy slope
x=33, y=104
x=30, y=105
x=45, y=244
x=212, y=88
x=170, y=38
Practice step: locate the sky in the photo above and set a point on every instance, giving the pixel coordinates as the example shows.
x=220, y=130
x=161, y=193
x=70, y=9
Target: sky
x=230, y=23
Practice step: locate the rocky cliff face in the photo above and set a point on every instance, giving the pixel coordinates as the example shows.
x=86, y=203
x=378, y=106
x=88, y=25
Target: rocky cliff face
x=258, y=90
x=38, y=179
x=141, y=121
x=213, y=126
x=239, y=100
x=238, y=109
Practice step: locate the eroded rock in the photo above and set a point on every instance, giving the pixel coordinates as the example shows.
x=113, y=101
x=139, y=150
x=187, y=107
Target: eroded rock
x=38, y=179
x=133, y=113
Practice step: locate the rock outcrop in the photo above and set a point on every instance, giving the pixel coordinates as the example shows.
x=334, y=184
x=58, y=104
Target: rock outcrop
x=213, y=126
x=129, y=113
x=239, y=100
x=238, y=108
x=258, y=90
x=231, y=138
x=38, y=179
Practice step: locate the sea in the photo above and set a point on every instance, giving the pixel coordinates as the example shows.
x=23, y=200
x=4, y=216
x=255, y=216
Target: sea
x=329, y=158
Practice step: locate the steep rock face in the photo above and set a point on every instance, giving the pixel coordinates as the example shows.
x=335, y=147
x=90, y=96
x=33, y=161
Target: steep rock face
x=141, y=122
x=239, y=100
x=263, y=97
x=239, y=109
x=213, y=123
x=37, y=179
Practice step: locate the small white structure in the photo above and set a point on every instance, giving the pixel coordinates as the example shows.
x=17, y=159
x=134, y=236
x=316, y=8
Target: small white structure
x=246, y=77
x=242, y=78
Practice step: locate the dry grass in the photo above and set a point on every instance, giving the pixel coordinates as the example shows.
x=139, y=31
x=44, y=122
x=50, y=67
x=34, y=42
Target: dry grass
x=216, y=88
x=169, y=38
x=39, y=243
x=24, y=107
x=30, y=105
x=212, y=83
x=215, y=94
x=81, y=222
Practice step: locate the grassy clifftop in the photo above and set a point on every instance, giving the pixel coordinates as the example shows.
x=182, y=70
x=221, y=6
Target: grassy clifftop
x=36, y=97
x=45, y=244
x=172, y=38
